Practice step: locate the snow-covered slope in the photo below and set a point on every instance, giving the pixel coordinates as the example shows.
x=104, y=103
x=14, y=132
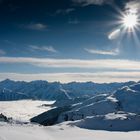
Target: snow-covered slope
x=129, y=98
x=60, y=132
x=120, y=121
x=124, y=99
x=103, y=111
x=96, y=105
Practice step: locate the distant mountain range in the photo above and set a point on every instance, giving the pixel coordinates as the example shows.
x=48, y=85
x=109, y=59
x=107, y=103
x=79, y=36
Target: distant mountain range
x=43, y=90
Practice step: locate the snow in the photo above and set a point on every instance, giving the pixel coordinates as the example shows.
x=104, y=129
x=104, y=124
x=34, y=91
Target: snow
x=23, y=110
x=113, y=116
x=61, y=132
x=118, y=111
x=112, y=99
x=129, y=98
x=97, y=105
x=120, y=121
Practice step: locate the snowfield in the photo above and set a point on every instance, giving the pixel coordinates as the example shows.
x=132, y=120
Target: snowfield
x=23, y=110
x=60, y=132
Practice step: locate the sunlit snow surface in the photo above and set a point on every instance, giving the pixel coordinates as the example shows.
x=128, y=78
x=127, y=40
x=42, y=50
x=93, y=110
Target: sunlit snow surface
x=23, y=110
x=61, y=132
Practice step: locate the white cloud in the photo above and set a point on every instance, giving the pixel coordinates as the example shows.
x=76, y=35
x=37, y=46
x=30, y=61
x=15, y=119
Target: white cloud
x=102, y=52
x=114, y=34
x=92, y=2
x=36, y=26
x=43, y=48
x=78, y=77
x=2, y=52
x=115, y=64
x=133, y=6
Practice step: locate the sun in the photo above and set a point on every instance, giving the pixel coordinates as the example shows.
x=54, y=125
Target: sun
x=130, y=20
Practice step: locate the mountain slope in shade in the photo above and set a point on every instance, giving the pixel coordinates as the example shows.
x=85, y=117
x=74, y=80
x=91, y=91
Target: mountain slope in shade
x=129, y=98
x=8, y=95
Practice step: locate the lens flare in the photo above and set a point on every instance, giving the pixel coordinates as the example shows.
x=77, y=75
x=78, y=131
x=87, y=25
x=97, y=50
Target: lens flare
x=130, y=20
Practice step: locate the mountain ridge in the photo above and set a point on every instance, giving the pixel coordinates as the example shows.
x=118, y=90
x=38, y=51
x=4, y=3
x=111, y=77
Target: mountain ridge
x=43, y=90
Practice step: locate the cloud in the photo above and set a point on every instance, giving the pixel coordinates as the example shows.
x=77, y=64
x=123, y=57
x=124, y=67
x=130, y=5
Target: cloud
x=133, y=6
x=43, y=48
x=92, y=2
x=78, y=77
x=102, y=52
x=114, y=34
x=2, y=52
x=36, y=26
x=115, y=64
x=64, y=11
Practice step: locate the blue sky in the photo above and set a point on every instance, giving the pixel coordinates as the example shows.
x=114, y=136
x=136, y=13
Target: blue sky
x=73, y=40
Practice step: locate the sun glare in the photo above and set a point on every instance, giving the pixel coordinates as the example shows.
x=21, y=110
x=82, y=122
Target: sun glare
x=130, y=20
